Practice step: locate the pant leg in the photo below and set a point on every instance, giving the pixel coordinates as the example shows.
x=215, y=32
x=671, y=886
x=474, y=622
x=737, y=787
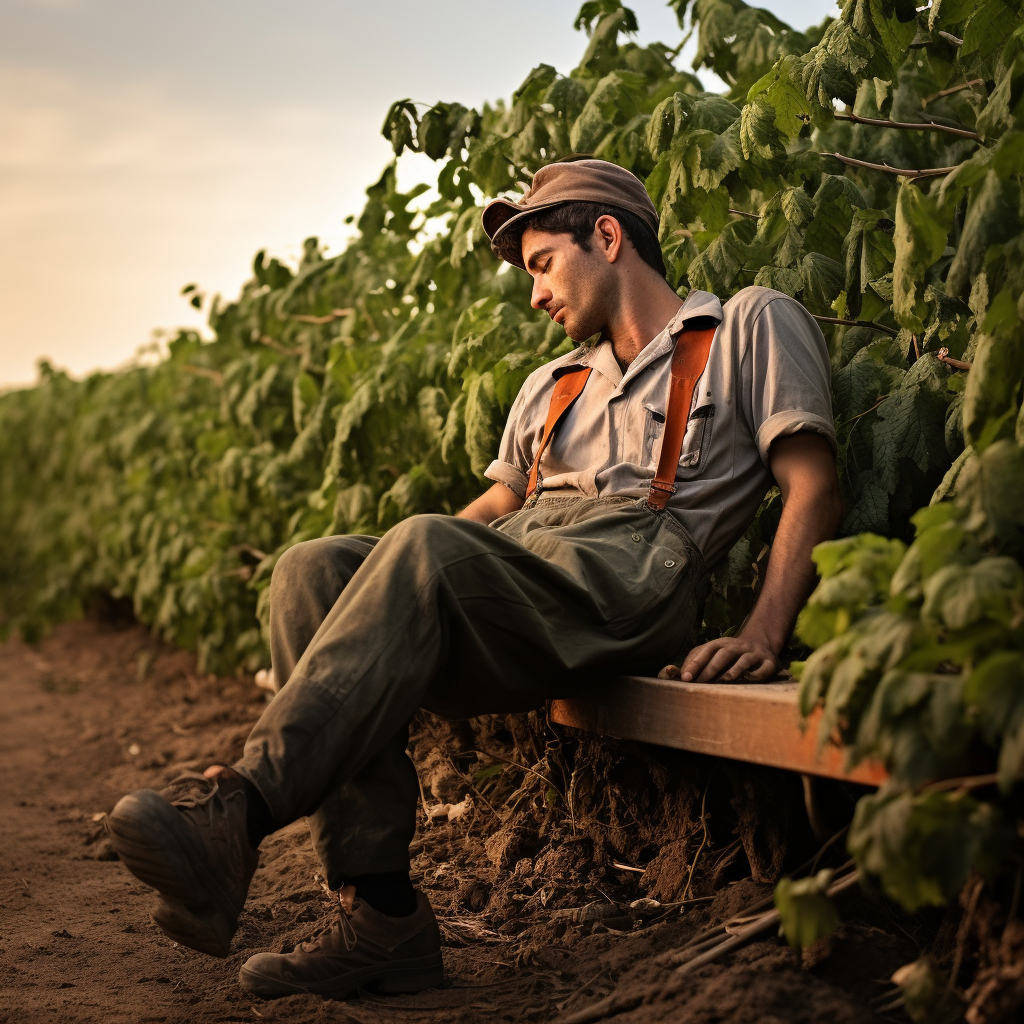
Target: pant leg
x=375, y=809
x=307, y=580
x=464, y=619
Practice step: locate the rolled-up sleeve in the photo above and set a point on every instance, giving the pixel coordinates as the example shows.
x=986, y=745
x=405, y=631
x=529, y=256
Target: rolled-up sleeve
x=791, y=376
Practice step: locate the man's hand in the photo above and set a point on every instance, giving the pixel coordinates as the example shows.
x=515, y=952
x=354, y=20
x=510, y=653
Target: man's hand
x=729, y=658
x=805, y=469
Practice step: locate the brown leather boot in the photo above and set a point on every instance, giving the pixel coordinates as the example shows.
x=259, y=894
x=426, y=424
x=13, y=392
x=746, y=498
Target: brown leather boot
x=362, y=948
x=189, y=842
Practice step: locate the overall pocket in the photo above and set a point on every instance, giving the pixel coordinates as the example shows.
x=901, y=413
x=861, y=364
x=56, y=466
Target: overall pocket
x=626, y=557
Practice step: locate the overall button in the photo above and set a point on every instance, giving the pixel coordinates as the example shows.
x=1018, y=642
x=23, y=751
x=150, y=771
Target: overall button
x=637, y=537
x=669, y=564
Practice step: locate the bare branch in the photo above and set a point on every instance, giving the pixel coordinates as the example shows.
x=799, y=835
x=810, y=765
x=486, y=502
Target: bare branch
x=307, y=318
x=964, y=931
x=903, y=172
x=857, y=323
x=744, y=213
x=924, y=126
x=204, y=371
x=956, y=364
x=861, y=415
x=250, y=550
x=952, y=89
x=283, y=349
x=922, y=44
x=740, y=933
x=962, y=784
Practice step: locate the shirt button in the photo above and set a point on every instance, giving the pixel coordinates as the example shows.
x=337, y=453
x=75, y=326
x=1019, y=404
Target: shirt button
x=636, y=537
x=669, y=564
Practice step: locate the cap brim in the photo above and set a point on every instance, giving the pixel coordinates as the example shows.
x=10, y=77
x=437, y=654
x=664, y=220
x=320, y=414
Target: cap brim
x=499, y=214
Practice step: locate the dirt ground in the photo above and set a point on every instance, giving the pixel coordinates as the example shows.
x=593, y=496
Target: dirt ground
x=536, y=915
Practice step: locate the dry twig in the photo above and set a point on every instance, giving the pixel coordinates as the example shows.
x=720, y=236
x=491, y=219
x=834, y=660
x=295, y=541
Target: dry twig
x=860, y=415
x=964, y=931
x=903, y=172
x=308, y=318
x=737, y=936
x=469, y=782
x=204, y=371
x=248, y=549
x=283, y=349
x=956, y=364
x=924, y=126
x=700, y=849
x=962, y=784
x=949, y=92
x=839, y=321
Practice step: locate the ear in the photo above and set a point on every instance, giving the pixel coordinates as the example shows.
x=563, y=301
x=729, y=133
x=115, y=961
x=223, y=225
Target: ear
x=608, y=237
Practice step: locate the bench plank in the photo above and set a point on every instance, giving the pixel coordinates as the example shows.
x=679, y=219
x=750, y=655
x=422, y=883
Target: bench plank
x=756, y=722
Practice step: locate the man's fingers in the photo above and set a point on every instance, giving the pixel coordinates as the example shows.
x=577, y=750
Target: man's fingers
x=767, y=669
x=727, y=659
x=722, y=659
x=698, y=658
x=744, y=663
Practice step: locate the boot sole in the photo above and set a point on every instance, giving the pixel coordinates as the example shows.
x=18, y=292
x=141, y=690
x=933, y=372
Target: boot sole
x=159, y=848
x=388, y=979
x=199, y=928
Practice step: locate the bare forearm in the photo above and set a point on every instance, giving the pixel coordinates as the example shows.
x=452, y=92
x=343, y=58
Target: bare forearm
x=805, y=468
x=807, y=519
x=494, y=503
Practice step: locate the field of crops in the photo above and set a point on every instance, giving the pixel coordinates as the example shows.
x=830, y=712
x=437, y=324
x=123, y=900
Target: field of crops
x=870, y=166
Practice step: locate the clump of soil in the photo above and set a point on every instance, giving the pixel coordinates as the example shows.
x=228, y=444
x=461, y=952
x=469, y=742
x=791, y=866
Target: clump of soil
x=566, y=871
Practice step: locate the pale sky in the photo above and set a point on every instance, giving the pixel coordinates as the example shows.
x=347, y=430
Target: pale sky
x=147, y=145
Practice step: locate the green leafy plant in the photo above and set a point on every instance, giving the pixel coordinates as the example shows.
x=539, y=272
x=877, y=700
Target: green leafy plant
x=806, y=913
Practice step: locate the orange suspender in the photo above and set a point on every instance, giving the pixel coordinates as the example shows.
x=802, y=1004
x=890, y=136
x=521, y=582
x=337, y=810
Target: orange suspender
x=688, y=362
x=568, y=388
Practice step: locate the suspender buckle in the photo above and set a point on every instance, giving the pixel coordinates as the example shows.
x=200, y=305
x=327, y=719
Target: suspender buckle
x=659, y=495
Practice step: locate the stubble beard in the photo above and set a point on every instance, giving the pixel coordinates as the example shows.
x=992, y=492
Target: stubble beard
x=584, y=325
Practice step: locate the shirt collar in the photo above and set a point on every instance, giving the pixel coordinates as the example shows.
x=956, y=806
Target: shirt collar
x=697, y=304
x=601, y=357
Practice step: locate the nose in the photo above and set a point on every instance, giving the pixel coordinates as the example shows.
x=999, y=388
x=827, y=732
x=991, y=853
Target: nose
x=541, y=294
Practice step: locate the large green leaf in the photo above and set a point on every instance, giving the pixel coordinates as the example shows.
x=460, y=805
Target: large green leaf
x=920, y=238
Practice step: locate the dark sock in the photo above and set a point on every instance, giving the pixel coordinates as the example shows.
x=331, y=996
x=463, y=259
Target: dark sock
x=258, y=821
x=388, y=892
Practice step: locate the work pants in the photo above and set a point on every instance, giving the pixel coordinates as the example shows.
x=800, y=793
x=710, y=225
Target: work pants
x=461, y=619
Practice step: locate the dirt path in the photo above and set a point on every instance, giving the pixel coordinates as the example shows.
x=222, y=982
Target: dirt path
x=94, y=712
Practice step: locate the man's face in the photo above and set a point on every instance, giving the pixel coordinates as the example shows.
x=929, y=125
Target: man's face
x=576, y=288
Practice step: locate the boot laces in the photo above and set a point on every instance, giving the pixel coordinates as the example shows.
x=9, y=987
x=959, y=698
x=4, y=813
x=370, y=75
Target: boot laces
x=341, y=926
x=190, y=789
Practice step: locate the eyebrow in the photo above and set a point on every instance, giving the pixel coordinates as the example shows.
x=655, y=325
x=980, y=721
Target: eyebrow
x=538, y=254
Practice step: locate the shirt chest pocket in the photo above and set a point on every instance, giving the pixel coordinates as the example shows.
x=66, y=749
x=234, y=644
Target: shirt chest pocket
x=695, y=444
x=654, y=427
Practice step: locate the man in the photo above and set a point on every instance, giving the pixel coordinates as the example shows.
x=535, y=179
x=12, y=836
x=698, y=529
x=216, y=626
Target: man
x=626, y=468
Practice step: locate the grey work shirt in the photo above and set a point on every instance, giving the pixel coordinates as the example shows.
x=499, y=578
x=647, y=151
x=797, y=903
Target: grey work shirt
x=768, y=375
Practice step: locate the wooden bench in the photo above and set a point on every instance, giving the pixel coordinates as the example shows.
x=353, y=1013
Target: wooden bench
x=755, y=722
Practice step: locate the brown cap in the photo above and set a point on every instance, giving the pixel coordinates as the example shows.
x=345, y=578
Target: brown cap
x=586, y=181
